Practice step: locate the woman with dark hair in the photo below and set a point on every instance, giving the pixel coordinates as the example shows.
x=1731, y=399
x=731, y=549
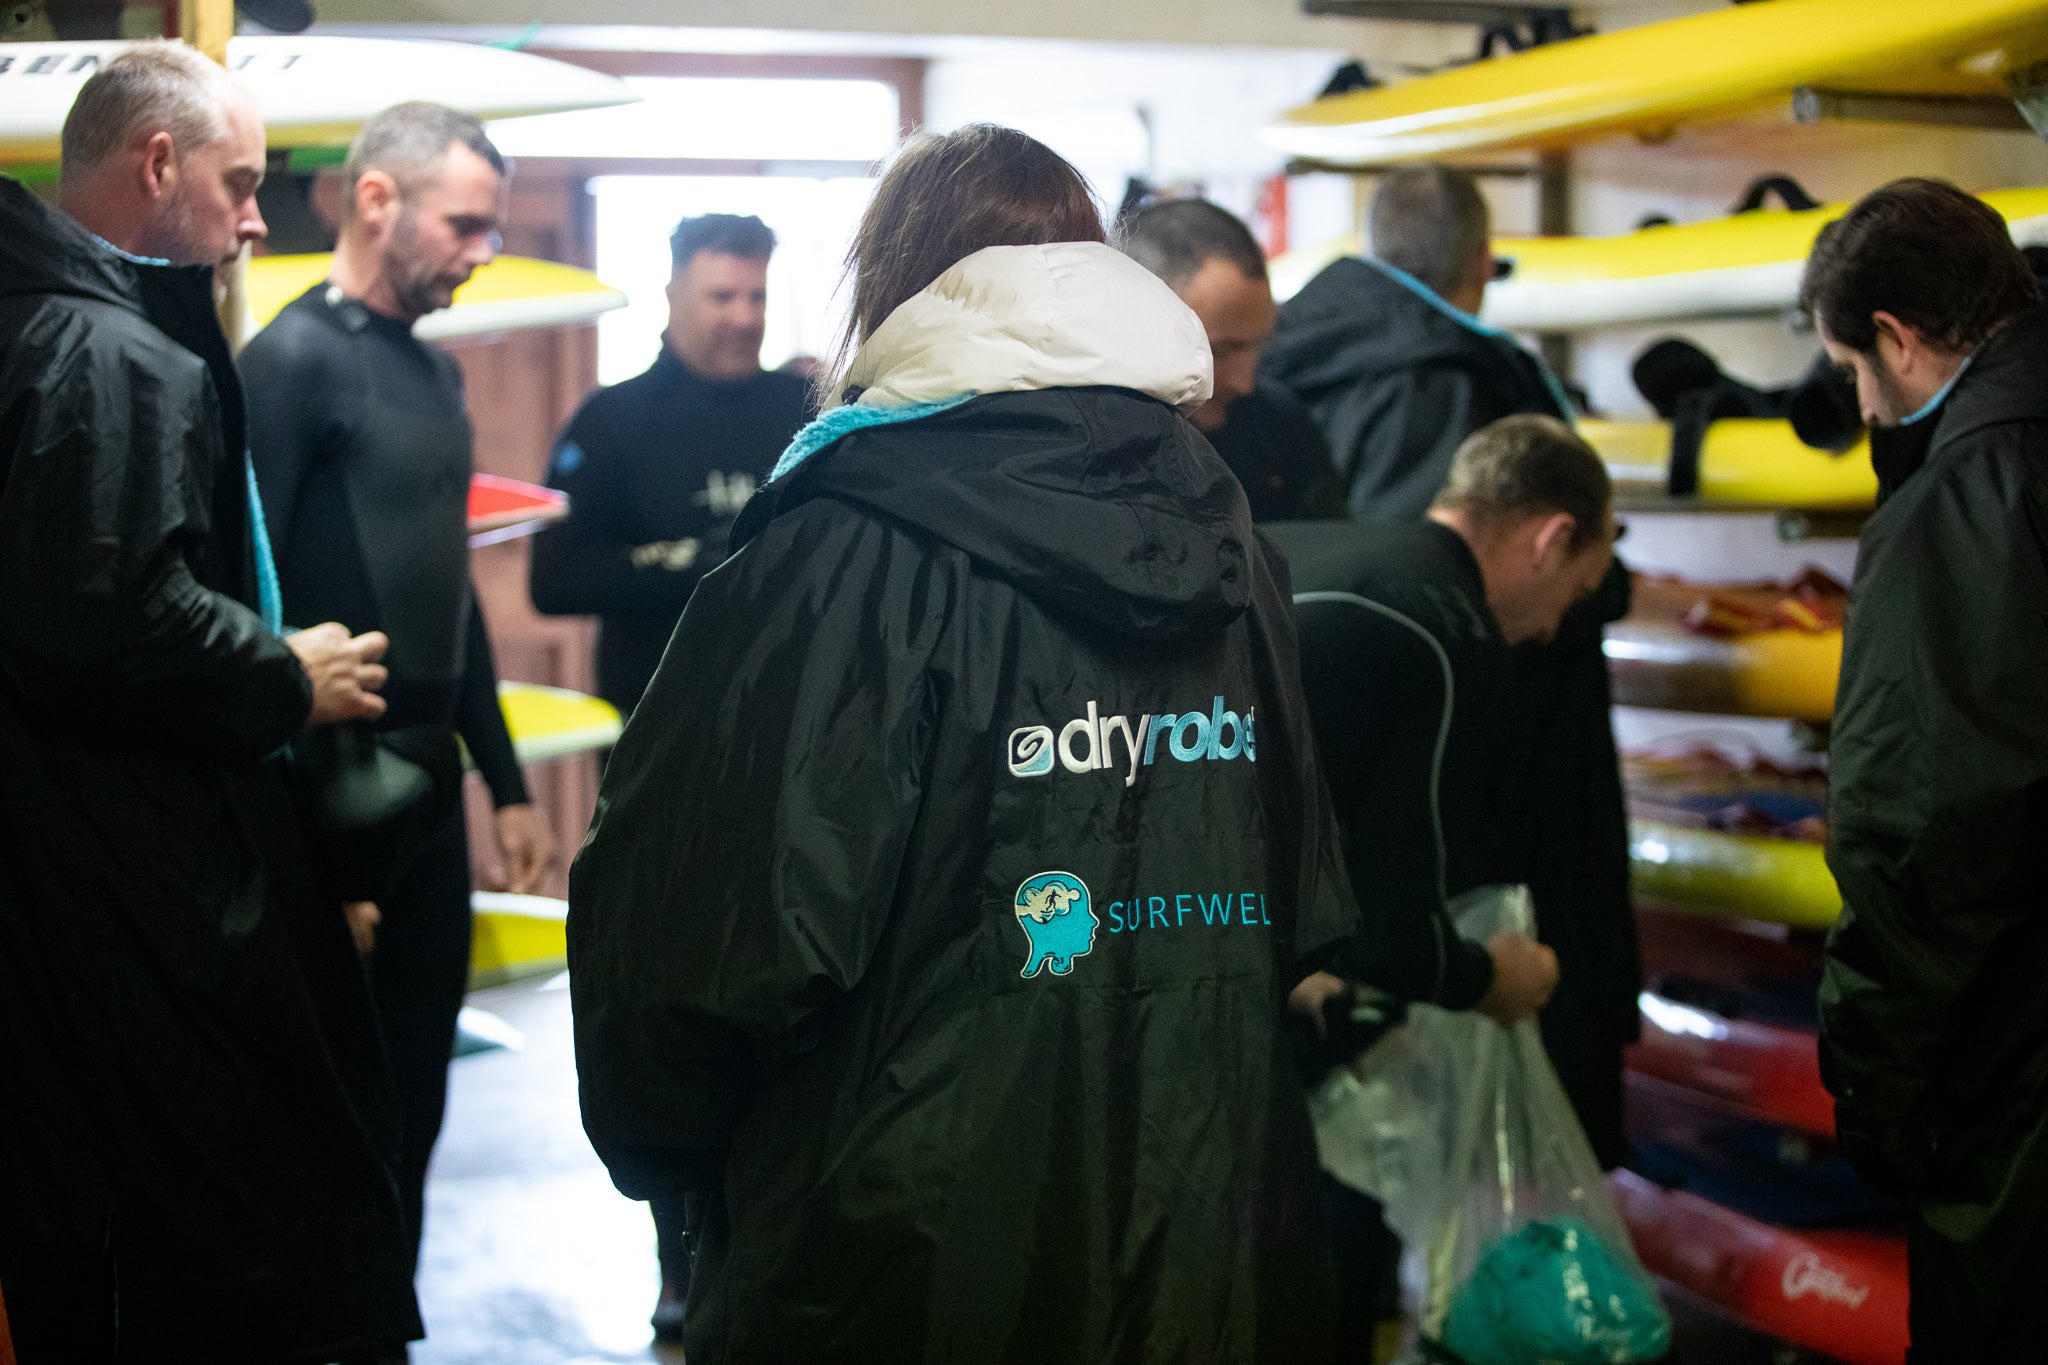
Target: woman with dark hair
x=936, y=939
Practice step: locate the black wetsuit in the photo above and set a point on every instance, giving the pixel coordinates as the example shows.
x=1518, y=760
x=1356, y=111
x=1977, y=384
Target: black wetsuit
x=363, y=459
x=1271, y=442
x=656, y=469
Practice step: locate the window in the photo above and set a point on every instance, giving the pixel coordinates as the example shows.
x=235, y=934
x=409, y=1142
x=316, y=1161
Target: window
x=813, y=220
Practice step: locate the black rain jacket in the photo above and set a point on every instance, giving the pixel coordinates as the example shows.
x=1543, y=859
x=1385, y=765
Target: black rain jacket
x=1395, y=382
x=195, y=1117
x=1934, y=1016
x=947, y=916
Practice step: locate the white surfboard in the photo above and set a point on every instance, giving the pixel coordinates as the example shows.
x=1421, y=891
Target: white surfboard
x=312, y=91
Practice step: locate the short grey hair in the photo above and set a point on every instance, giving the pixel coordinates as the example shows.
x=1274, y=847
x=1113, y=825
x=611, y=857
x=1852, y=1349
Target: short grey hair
x=1529, y=465
x=158, y=86
x=408, y=142
x=1175, y=238
x=1430, y=221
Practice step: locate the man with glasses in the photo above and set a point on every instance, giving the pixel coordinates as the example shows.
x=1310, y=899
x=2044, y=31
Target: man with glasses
x=363, y=458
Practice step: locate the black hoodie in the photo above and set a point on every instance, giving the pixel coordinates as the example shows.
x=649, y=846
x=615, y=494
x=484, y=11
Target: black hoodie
x=193, y=1162
x=948, y=918
x=1396, y=382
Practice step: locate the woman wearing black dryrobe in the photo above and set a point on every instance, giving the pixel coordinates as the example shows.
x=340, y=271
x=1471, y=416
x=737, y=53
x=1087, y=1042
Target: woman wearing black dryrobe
x=947, y=883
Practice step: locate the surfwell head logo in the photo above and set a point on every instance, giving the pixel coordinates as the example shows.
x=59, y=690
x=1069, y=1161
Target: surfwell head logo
x=1058, y=918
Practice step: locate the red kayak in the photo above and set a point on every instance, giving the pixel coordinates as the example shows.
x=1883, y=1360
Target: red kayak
x=1767, y=1072
x=1842, y=1294
x=501, y=508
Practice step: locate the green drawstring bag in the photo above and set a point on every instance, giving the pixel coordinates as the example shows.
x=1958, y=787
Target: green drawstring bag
x=1553, y=1294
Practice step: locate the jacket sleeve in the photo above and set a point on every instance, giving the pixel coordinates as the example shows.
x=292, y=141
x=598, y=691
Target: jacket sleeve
x=595, y=561
x=1378, y=697
x=103, y=623
x=1938, y=775
x=480, y=720
x=748, y=838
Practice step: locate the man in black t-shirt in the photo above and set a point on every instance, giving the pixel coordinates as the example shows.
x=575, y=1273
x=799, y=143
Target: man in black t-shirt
x=657, y=467
x=1263, y=432
x=363, y=454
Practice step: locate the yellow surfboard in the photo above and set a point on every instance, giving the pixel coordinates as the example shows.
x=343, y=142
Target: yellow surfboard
x=1749, y=461
x=1746, y=263
x=1649, y=79
x=516, y=937
x=1735, y=876
x=508, y=295
x=553, y=722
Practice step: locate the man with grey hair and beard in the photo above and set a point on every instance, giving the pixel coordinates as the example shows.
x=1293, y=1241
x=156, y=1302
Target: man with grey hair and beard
x=195, y=1161
x=363, y=453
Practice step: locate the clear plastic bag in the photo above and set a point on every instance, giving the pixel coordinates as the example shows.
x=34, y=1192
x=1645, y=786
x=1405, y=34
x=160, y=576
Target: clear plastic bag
x=1461, y=1130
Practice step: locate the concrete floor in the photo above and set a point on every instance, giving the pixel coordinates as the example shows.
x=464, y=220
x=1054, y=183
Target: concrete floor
x=531, y=1257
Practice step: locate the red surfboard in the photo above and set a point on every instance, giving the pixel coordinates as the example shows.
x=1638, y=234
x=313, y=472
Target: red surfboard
x=1767, y=1072
x=1842, y=1294
x=501, y=508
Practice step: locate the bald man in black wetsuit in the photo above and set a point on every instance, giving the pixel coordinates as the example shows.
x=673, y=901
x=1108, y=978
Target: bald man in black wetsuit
x=363, y=457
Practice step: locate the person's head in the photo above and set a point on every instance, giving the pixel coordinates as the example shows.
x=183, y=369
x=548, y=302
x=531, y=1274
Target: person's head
x=1906, y=285
x=162, y=154
x=422, y=207
x=945, y=197
x=1432, y=222
x=718, y=294
x=1534, y=503
x=1213, y=262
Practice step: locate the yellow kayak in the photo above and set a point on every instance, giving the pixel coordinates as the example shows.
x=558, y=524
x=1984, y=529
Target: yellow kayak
x=515, y=937
x=1779, y=673
x=1743, y=264
x=553, y=722
x=1742, y=460
x=510, y=294
x=1735, y=876
x=1758, y=649
x=1649, y=79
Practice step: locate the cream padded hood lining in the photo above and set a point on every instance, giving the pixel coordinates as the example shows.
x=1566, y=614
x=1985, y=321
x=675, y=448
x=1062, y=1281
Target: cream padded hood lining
x=1011, y=318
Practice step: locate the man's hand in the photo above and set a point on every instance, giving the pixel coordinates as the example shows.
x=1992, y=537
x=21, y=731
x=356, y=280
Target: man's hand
x=525, y=846
x=344, y=670
x=1312, y=993
x=1524, y=975
x=363, y=918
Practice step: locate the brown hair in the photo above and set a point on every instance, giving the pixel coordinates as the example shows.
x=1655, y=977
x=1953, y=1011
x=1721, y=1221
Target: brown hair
x=1935, y=258
x=946, y=197
x=1529, y=465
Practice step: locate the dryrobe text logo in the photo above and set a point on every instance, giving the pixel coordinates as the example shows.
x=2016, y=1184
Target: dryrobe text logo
x=1058, y=917
x=1088, y=743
